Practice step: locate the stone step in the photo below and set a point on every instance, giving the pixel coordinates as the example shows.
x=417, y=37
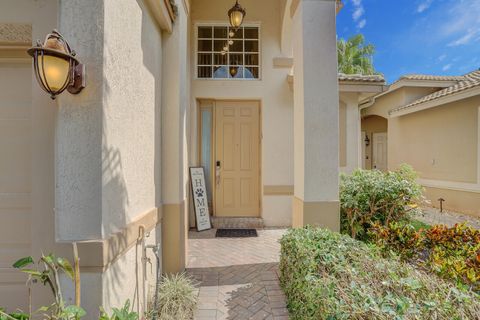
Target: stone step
x=237, y=223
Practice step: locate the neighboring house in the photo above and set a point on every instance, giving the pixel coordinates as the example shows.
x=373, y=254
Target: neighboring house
x=431, y=123
x=108, y=168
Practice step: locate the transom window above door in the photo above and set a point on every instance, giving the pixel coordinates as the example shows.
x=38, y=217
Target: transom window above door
x=228, y=53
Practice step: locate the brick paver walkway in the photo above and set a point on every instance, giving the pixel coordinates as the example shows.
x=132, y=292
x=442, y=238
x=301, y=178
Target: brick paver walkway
x=238, y=277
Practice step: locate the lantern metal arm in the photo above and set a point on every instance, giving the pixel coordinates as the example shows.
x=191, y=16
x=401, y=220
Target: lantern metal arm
x=75, y=81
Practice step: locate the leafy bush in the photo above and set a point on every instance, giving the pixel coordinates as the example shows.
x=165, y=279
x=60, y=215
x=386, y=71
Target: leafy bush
x=119, y=314
x=453, y=253
x=177, y=298
x=371, y=196
x=401, y=238
x=47, y=271
x=12, y=316
x=326, y=275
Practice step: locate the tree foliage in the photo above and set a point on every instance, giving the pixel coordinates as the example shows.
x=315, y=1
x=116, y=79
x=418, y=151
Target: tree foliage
x=355, y=56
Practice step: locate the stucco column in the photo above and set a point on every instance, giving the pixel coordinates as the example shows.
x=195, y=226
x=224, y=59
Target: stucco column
x=316, y=115
x=353, y=126
x=174, y=161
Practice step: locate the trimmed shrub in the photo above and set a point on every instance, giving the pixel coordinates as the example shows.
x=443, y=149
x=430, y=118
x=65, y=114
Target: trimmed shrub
x=326, y=275
x=372, y=196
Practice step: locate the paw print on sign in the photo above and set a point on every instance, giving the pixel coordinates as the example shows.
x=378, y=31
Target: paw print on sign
x=199, y=193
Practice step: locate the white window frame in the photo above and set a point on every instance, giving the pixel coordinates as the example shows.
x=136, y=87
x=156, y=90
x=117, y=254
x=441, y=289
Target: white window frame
x=226, y=24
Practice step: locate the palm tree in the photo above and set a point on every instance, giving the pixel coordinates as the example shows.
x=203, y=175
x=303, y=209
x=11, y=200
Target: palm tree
x=354, y=56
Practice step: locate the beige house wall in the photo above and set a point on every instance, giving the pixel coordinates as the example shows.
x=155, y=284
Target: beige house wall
x=108, y=148
x=460, y=201
x=27, y=120
x=343, y=134
x=272, y=90
x=440, y=143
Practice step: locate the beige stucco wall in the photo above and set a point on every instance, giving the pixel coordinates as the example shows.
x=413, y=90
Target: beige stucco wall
x=109, y=131
x=127, y=278
x=108, y=137
x=385, y=103
x=440, y=143
x=175, y=129
x=396, y=98
x=28, y=217
x=343, y=134
x=272, y=90
x=460, y=201
x=131, y=109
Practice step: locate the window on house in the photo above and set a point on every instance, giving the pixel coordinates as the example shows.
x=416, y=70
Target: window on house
x=226, y=53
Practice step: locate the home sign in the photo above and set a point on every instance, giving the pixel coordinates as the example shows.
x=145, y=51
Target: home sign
x=200, y=201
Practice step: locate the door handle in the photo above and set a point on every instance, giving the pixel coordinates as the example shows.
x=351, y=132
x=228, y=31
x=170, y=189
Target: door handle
x=217, y=172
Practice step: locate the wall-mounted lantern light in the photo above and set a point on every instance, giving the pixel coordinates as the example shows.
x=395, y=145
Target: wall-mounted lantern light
x=236, y=15
x=367, y=140
x=56, y=67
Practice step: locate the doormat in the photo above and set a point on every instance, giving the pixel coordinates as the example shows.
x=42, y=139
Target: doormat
x=236, y=233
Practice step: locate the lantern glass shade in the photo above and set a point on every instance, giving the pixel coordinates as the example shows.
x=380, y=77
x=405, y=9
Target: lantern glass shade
x=236, y=19
x=236, y=15
x=56, y=67
x=53, y=72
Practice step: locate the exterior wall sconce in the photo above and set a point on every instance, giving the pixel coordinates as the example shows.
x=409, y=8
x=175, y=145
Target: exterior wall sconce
x=56, y=67
x=367, y=140
x=236, y=15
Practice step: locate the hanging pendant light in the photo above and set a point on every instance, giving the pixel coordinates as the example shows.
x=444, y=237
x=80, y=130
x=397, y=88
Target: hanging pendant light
x=236, y=15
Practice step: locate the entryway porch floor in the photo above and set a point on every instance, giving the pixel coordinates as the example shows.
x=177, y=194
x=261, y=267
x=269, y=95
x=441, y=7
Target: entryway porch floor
x=238, y=277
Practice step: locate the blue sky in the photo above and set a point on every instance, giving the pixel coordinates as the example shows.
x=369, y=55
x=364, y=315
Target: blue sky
x=440, y=37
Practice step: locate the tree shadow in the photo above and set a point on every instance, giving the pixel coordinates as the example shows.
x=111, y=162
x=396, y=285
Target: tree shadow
x=126, y=277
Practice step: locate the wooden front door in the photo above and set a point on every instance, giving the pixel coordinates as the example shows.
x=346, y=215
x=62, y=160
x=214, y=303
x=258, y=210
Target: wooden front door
x=237, y=159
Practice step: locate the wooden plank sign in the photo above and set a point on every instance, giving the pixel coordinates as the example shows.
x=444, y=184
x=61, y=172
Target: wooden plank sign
x=200, y=201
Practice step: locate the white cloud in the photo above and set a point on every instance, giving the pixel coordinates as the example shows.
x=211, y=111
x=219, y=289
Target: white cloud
x=424, y=5
x=463, y=16
x=465, y=39
x=362, y=23
x=442, y=57
x=358, y=13
x=447, y=67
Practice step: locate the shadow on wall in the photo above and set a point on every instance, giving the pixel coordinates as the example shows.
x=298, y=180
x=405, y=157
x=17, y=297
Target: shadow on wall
x=125, y=278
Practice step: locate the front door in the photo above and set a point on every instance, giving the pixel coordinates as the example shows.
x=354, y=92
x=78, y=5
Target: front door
x=237, y=158
x=379, y=157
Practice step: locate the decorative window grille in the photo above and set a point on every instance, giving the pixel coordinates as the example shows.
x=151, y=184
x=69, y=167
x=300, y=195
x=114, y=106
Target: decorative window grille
x=226, y=53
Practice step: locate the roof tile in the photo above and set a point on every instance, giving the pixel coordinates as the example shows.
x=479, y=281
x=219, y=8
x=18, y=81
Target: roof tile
x=465, y=82
x=360, y=78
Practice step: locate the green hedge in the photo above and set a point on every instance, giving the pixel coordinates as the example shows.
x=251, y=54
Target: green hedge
x=326, y=275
